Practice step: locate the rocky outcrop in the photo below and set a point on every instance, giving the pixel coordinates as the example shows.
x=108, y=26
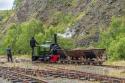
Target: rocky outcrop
x=93, y=14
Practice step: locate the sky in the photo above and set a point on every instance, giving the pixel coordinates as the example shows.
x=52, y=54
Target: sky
x=6, y=4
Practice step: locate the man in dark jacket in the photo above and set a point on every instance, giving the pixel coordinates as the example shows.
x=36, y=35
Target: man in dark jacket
x=9, y=54
x=33, y=43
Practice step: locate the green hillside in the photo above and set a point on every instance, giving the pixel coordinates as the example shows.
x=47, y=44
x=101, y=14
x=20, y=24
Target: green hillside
x=4, y=15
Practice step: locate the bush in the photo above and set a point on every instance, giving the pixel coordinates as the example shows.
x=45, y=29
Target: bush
x=116, y=49
x=67, y=43
x=113, y=39
x=18, y=36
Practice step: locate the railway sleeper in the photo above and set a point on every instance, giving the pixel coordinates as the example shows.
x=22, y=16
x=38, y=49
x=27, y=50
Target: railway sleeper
x=50, y=74
x=66, y=61
x=62, y=61
x=16, y=81
x=101, y=78
x=30, y=81
x=61, y=73
x=24, y=77
x=11, y=79
x=116, y=81
x=93, y=77
x=83, y=78
x=63, y=76
x=23, y=80
x=73, y=76
x=105, y=81
x=56, y=76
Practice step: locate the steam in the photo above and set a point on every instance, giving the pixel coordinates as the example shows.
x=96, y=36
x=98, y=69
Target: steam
x=68, y=33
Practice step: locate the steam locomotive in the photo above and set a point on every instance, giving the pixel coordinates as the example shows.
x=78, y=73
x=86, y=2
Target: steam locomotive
x=51, y=52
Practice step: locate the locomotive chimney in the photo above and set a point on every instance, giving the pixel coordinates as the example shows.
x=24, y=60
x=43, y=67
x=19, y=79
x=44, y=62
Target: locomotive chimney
x=55, y=38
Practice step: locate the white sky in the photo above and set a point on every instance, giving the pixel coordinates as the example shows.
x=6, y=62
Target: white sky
x=6, y=4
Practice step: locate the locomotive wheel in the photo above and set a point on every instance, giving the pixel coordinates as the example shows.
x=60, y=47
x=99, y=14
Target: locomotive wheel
x=90, y=63
x=79, y=63
x=87, y=63
x=69, y=62
x=59, y=62
x=63, y=62
x=94, y=63
x=66, y=61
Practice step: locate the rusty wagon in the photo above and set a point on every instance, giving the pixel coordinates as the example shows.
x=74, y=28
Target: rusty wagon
x=95, y=56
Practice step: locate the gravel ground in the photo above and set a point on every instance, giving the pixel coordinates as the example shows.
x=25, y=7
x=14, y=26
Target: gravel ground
x=85, y=68
x=4, y=81
x=95, y=70
x=65, y=80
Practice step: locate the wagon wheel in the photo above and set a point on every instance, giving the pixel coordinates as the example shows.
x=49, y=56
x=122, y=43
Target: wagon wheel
x=99, y=63
x=87, y=62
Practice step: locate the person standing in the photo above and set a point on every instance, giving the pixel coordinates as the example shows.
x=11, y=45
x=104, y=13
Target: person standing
x=9, y=54
x=33, y=43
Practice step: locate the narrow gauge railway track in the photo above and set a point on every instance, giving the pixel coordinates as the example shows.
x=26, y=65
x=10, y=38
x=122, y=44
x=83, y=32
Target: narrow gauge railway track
x=65, y=73
x=90, y=76
x=111, y=66
x=106, y=66
x=17, y=77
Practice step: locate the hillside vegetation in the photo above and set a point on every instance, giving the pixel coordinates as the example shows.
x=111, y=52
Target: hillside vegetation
x=4, y=15
x=113, y=39
x=91, y=23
